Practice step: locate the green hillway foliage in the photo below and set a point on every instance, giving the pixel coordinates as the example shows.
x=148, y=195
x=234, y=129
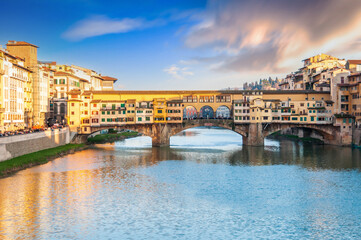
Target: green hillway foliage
x=36, y=158
x=110, y=137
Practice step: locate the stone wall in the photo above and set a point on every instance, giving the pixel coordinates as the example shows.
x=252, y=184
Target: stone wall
x=18, y=145
x=357, y=137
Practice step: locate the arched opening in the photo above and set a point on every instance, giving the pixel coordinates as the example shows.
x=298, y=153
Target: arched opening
x=301, y=133
x=55, y=108
x=201, y=137
x=206, y=112
x=189, y=112
x=62, y=108
x=223, y=112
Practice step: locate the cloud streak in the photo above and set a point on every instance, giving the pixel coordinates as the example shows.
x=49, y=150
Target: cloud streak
x=101, y=25
x=275, y=35
x=178, y=72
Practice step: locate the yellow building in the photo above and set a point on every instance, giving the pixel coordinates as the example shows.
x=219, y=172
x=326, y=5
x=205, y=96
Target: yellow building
x=29, y=52
x=2, y=72
x=160, y=110
x=15, y=100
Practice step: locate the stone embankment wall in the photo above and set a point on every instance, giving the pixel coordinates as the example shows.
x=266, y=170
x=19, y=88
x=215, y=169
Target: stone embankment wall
x=357, y=137
x=18, y=145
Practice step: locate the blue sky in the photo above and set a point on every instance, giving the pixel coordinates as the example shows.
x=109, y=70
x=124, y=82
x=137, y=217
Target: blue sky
x=185, y=44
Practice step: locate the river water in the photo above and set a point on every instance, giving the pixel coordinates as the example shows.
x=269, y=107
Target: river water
x=205, y=186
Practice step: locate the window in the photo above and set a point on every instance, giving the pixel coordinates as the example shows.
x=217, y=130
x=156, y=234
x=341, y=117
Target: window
x=159, y=111
x=72, y=113
x=103, y=119
x=312, y=119
x=139, y=119
x=147, y=118
x=72, y=104
x=94, y=105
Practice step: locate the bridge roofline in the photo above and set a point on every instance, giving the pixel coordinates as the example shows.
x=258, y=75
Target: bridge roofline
x=206, y=92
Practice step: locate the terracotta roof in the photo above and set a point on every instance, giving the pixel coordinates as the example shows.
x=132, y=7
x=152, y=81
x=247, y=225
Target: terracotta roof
x=106, y=78
x=74, y=91
x=96, y=101
x=354, y=61
x=20, y=43
x=66, y=74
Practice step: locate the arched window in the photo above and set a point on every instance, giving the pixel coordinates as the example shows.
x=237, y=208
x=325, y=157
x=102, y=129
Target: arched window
x=223, y=112
x=62, y=108
x=55, y=108
x=206, y=112
x=189, y=112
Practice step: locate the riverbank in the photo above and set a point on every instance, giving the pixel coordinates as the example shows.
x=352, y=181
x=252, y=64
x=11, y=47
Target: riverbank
x=111, y=137
x=37, y=158
x=279, y=136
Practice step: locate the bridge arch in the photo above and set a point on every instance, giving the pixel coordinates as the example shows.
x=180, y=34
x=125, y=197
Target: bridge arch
x=225, y=124
x=206, y=112
x=147, y=131
x=190, y=112
x=223, y=112
x=328, y=132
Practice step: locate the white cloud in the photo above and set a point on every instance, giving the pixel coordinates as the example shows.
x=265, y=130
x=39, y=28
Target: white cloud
x=274, y=36
x=178, y=72
x=100, y=25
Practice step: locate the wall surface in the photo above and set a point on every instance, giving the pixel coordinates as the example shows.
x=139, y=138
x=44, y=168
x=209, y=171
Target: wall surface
x=357, y=137
x=15, y=146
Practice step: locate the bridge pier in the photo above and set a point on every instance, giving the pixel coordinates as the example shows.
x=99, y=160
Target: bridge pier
x=255, y=135
x=160, y=135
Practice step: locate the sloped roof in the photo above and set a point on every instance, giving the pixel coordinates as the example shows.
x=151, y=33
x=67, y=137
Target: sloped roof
x=354, y=61
x=20, y=43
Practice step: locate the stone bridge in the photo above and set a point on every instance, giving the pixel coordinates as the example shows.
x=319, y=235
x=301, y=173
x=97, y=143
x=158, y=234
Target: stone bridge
x=253, y=133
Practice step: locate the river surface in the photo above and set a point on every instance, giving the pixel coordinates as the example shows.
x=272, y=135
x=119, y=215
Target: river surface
x=205, y=186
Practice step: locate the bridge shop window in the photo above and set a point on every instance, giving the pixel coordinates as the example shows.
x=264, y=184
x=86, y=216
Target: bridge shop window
x=95, y=120
x=190, y=99
x=223, y=98
x=206, y=99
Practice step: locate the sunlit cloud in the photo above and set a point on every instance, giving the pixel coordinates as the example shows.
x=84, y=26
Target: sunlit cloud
x=102, y=25
x=178, y=72
x=274, y=36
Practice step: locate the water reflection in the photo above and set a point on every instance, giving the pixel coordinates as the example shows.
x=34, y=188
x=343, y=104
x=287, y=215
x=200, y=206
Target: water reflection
x=205, y=186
